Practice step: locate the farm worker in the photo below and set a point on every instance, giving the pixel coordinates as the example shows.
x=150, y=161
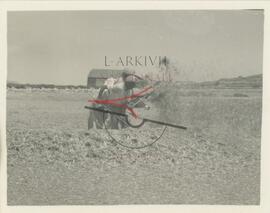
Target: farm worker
x=113, y=88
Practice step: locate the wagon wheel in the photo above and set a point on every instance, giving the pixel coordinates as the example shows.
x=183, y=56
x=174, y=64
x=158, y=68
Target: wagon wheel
x=133, y=133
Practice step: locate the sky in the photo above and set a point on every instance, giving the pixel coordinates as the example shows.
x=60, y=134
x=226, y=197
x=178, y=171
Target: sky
x=61, y=47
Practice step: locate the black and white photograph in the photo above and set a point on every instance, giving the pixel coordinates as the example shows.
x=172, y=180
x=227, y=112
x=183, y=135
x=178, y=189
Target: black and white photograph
x=134, y=107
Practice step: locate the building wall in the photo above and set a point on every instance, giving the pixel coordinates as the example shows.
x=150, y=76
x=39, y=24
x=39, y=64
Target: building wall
x=95, y=82
x=100, y=82
x=91, y=82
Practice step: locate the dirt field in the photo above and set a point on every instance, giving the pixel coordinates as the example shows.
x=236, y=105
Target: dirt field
x=54, y=160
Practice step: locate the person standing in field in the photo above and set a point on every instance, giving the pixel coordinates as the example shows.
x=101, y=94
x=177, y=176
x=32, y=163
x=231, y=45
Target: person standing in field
x=112, y=88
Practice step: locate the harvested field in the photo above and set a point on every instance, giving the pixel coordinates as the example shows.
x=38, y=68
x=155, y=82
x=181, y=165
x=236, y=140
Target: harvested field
x=54, y=160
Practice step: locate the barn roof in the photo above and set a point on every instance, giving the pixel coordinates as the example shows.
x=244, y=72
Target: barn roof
x=105, y=73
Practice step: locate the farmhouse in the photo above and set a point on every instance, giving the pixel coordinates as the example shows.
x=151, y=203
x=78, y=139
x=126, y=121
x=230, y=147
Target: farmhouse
x=97, y=77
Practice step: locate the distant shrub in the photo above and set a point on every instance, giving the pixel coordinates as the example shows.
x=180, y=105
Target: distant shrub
x=44, y=86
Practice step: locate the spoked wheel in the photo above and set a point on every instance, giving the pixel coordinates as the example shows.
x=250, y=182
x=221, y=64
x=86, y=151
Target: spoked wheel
x=132, y=132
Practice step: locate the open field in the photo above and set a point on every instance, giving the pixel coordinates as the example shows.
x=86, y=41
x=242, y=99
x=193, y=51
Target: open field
x=54, y=160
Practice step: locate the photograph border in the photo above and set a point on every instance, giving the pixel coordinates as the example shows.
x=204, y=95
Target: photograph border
x=264, y=206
